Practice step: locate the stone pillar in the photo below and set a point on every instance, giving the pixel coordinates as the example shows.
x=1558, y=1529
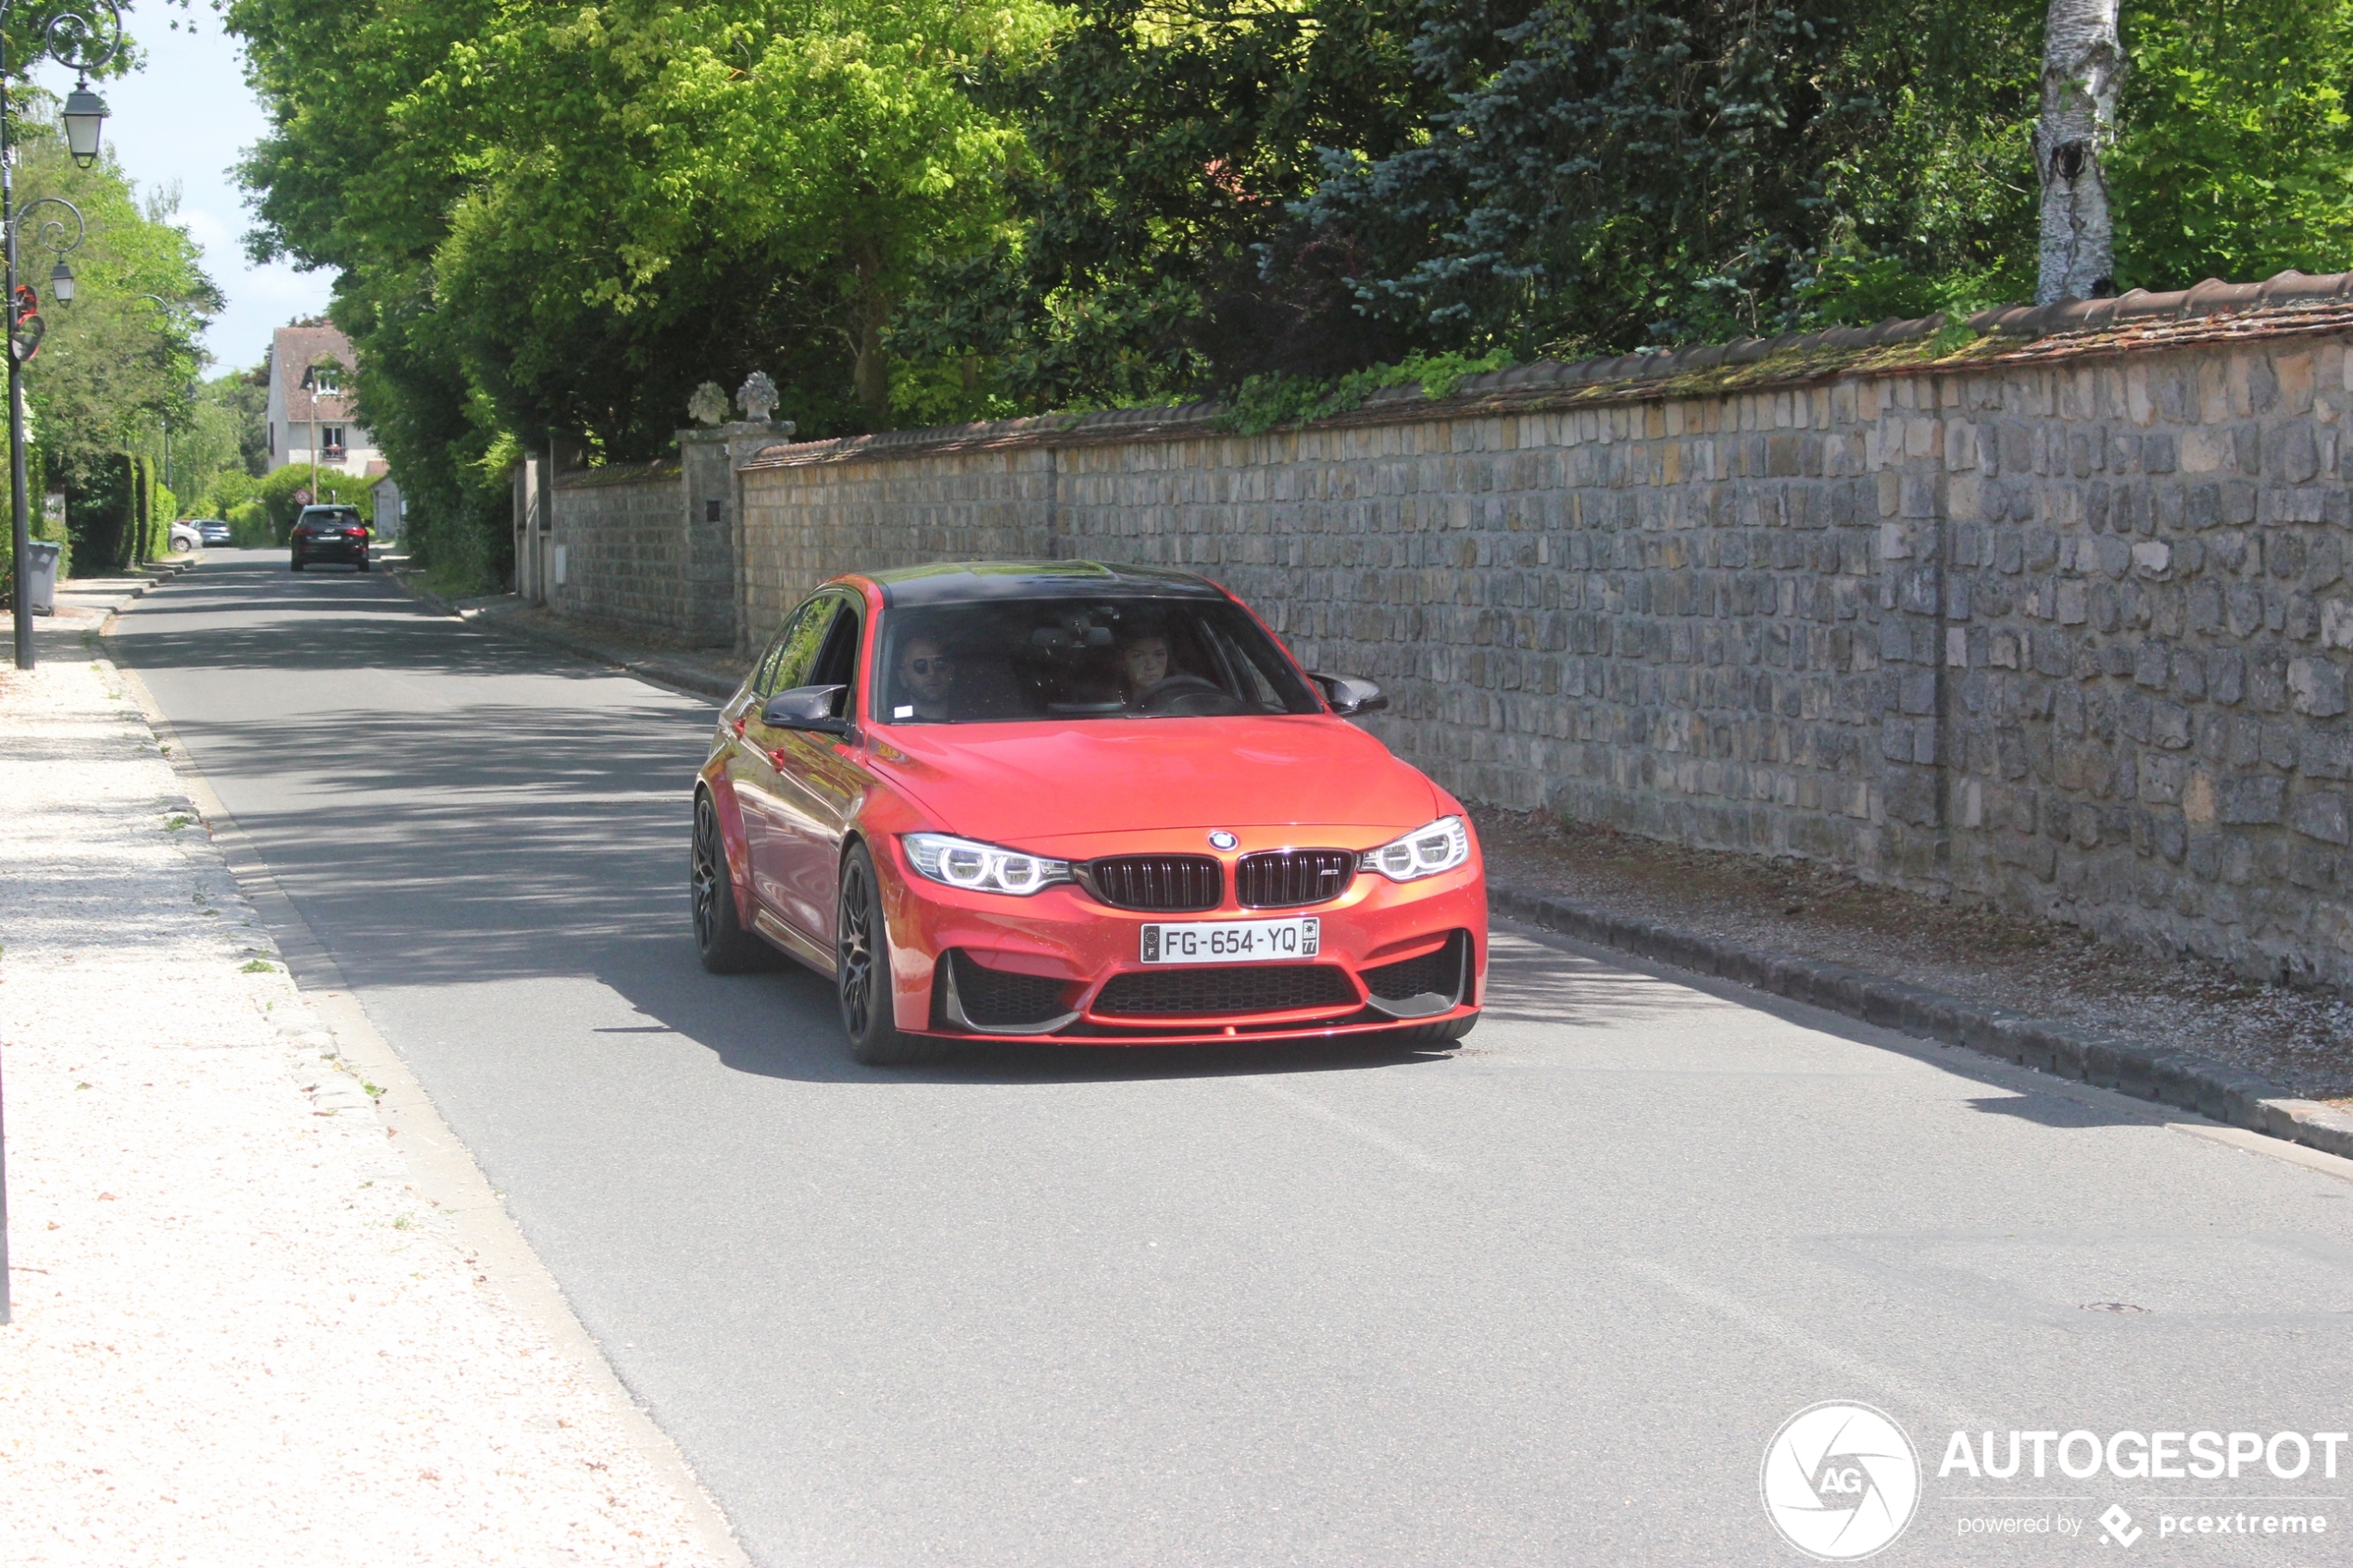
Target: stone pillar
x=707, y=457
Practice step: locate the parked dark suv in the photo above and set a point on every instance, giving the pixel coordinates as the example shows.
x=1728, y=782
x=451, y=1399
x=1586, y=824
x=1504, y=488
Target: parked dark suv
x=330, y=533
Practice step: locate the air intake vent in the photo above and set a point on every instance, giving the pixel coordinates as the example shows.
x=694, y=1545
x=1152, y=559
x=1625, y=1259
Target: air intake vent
x=1288, y=878
x=1163, y=884
x=1440, y=973
x=996, y=998
x=1232, y=988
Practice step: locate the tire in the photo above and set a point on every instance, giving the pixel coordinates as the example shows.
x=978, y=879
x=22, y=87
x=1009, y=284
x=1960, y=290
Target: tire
x=861, y=973
x=182, y=548
x=294, y=566
x=1431, y=1034
x=725, y=946
x=364, y=566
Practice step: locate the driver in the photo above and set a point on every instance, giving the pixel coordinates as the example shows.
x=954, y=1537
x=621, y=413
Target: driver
x=1143, y=664
x=927, y=680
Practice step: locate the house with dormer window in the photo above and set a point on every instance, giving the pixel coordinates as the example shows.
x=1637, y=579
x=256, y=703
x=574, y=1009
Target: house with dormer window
x=311, y=397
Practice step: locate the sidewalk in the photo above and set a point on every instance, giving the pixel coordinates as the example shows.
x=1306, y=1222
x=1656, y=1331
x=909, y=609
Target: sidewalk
x=241, y=1335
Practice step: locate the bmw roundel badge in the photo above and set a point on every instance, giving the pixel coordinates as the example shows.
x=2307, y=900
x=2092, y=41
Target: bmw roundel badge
x=1221, y=839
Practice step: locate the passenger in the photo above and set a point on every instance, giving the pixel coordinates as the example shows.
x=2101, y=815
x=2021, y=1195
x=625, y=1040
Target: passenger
x=1143, y=664
x=926, y=681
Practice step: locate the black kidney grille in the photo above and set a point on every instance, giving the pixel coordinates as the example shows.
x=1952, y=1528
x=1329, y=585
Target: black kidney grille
x=1226, y=989
x=1161, y=883
x=996, y=998
x=1441, y=972
x=1288, y=878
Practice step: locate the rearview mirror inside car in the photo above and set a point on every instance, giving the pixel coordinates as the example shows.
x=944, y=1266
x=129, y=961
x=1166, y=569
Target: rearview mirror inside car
x=807, y=708
x=1350, y=696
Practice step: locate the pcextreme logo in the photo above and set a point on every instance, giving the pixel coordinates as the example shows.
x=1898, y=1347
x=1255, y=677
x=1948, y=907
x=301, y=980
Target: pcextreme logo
x=1841, y=1481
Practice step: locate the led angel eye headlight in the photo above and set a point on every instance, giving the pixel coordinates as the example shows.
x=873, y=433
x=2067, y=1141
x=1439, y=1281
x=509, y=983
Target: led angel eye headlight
x=982, y=868
x=1441, y=847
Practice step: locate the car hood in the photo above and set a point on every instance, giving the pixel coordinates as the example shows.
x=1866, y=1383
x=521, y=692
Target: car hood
x=1027, y=783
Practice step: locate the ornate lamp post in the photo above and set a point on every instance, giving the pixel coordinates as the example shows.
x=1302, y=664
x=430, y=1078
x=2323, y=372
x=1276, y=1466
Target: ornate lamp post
x=80, y=35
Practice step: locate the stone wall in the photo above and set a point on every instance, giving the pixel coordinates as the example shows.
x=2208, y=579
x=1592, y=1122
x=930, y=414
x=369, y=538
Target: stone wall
x=2056, y=625
x=626, y=557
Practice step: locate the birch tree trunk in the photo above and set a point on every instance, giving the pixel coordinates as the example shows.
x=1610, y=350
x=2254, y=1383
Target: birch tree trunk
x=2083, y=69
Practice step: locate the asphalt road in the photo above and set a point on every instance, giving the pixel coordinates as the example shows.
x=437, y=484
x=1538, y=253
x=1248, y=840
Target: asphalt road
x=1543, y=1299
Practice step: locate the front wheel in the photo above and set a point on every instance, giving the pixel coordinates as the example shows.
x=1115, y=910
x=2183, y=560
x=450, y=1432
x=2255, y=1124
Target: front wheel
x=861, y=973
x=725, y=946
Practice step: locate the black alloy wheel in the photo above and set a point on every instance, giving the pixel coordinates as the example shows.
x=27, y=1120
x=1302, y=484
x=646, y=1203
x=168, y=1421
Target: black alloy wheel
x=861, y=973
x=725, y=946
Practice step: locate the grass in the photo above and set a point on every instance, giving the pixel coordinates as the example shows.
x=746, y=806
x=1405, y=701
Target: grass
x=176, y=823
x=255, y=966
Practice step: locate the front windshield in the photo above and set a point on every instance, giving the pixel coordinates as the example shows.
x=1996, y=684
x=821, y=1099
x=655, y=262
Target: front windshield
x=1128, y=657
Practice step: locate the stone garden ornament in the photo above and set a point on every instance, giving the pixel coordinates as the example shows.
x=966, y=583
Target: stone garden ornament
x=709, y=405
x=758, y=397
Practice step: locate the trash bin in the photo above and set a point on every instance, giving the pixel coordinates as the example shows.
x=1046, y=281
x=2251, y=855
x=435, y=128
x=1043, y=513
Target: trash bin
x=41, y=568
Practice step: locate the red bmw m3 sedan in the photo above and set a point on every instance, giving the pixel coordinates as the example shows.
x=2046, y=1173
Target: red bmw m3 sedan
x=1064, y=802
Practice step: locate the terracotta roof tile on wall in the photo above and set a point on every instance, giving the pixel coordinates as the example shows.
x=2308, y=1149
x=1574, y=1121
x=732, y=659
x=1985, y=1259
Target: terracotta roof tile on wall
x=2289, y=304
x=293, y=351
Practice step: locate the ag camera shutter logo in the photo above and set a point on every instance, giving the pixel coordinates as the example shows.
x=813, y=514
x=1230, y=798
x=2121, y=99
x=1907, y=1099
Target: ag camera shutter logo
x=1841, y=1481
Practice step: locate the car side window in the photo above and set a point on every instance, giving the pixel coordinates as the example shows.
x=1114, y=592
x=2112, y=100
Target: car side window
x=789, y=661
x=837, y=660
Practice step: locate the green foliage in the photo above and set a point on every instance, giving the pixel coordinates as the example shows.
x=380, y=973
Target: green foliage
x=1155, y=252
x=279, y=494
x=113, y=368
x=1266, y=402
x=2235, y=159
x=559, y=220
x=249, y=526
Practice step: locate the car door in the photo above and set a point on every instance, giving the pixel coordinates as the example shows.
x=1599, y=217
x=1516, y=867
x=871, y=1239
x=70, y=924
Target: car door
x=769, y=807
x=821, y=786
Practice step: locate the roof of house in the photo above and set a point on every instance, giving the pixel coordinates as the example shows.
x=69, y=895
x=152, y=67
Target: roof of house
x=2291, y=304
x=293, y=350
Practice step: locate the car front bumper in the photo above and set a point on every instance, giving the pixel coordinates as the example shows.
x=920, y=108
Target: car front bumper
x=1391, y=954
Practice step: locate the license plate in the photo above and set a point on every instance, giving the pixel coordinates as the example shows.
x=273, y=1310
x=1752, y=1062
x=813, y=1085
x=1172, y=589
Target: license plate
x=1231, y=941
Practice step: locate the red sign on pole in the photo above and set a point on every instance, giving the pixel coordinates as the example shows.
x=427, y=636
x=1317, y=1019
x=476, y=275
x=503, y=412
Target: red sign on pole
x=302, y=497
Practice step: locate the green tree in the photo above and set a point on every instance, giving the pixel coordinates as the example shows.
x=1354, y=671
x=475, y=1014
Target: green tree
x=2236, y=154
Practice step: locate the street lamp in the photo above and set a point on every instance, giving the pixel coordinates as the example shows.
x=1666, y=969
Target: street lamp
x=80, y=35
x=85, y=113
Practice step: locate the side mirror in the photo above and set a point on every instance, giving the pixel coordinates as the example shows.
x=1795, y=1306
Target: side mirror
x=1350, y=697
x=807, y=708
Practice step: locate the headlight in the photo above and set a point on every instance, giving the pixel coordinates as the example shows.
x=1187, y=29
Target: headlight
x=982, y=868
x=1441, y=847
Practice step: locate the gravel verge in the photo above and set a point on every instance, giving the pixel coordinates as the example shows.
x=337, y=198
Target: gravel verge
x=2299, y=1040
x=240, y=1334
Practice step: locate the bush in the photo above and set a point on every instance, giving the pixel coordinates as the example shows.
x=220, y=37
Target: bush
x=249, y=526
x=276, y=494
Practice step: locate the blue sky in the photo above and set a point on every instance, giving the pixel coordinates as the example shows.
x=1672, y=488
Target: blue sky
x=186, y=118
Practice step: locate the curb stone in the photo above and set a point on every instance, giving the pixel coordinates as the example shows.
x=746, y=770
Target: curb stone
x=652, y=667
x=2211, y=1089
